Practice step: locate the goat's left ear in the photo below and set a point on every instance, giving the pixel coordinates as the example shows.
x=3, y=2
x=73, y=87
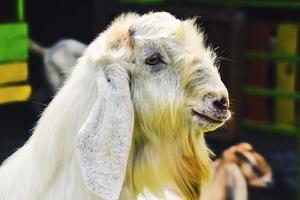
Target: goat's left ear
x=104, y=140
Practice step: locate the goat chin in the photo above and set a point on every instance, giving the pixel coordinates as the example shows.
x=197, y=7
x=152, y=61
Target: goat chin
x=168, y=153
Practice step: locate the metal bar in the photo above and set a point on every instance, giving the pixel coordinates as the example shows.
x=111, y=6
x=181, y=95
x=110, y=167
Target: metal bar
x=20, y=10
x=259, y=55
x=14, y=42
x=298, y=167
x=15, y=94
x=272, y=128
x=238, y=3
x=236, y=37
x=13, y=72
x=263, y=4
x=142, y=1
x=270, y=92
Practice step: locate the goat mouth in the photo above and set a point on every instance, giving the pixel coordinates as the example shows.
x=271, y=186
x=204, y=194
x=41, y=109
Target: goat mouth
x=206, y=118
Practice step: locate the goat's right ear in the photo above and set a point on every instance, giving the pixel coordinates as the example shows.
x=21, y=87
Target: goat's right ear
x=104, y=140
x=241, y=156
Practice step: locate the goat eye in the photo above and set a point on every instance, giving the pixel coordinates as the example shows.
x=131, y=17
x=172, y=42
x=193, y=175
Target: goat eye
x=153, y=59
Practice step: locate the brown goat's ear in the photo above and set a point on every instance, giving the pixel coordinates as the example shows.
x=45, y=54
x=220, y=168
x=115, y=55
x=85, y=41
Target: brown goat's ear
x=244, y=146
x=104, y=140
x=241, y=156
x=258, y=172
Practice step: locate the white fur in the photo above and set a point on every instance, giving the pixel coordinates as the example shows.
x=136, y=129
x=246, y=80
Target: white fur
x=46, y=167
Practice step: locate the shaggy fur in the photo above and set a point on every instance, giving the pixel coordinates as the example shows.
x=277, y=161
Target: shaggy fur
x=168, y=148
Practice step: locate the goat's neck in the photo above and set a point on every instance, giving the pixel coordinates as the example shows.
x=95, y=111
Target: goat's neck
x=48, y=160
x=180, y=163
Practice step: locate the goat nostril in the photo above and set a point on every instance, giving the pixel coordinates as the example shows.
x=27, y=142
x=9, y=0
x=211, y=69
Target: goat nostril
x=221, y=104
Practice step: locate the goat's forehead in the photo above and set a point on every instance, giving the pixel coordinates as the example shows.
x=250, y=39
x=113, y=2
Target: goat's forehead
x=162, y=22
x=165, y=26
x=158, y=18
x=157, y=25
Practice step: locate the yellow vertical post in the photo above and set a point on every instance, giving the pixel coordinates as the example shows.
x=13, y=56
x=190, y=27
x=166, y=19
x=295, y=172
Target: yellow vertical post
x=286, y=42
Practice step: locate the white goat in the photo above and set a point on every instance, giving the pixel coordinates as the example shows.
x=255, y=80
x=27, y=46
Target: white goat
x=130, y=117
x=59, y=59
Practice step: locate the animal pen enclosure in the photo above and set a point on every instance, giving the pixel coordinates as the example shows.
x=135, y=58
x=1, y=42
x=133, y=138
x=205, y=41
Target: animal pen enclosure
x=15, y=87
x=13, y=57
x=261, y=40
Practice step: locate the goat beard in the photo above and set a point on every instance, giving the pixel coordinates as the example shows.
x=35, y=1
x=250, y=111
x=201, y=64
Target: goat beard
x=168, y=150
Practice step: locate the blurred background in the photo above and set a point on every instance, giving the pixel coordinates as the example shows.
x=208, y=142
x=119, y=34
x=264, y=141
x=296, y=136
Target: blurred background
x=257, y=41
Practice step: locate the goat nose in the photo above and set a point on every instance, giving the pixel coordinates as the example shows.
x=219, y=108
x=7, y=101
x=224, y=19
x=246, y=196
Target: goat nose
x=221, y=103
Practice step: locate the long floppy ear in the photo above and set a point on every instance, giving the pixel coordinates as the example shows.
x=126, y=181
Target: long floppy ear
x=104, y=140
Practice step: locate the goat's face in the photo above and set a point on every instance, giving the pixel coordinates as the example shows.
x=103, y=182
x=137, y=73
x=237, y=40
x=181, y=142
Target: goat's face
x=169, y=65
x=174, y=89
x=172, y=67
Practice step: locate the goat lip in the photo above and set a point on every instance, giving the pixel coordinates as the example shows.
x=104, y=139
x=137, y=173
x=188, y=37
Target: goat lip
x=206, y=118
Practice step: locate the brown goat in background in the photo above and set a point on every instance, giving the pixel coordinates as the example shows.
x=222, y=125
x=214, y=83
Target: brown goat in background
x=238, y=167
